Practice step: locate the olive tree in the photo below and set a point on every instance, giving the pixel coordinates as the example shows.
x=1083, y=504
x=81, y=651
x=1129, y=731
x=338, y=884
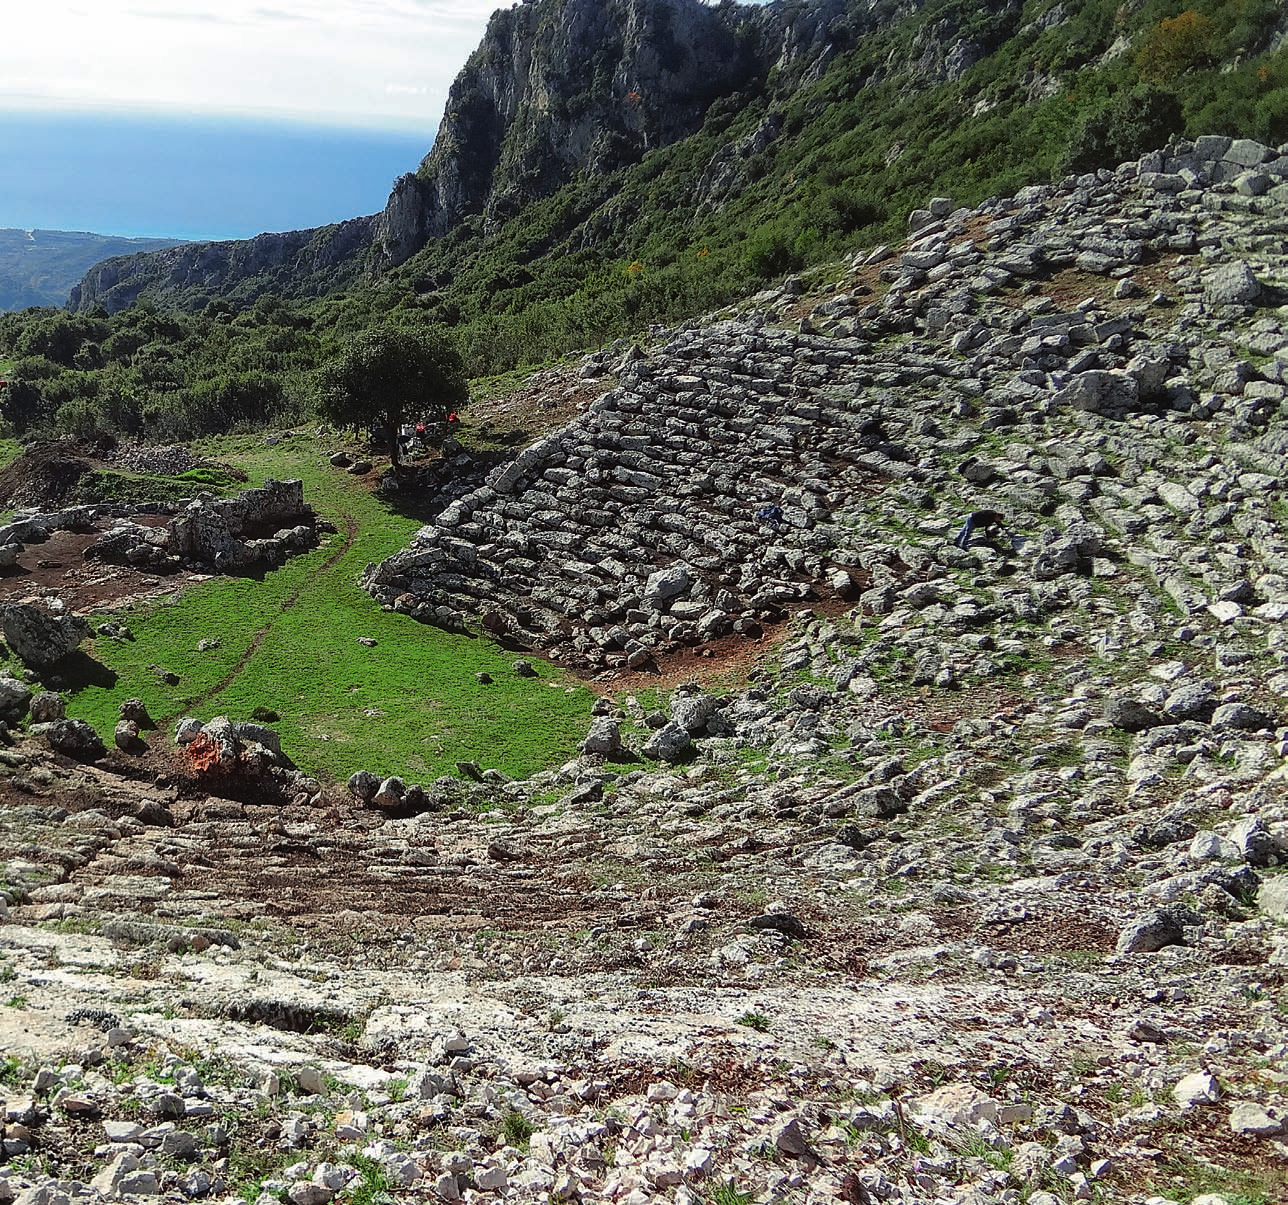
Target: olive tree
x=386, y=374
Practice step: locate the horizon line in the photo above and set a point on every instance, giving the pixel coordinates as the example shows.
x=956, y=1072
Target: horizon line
x=400, y=127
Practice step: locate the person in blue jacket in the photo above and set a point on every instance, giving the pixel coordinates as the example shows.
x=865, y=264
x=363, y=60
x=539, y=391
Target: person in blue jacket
x=989, y=520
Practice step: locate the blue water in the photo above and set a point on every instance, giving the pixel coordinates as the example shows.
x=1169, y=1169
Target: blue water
x=192, y=178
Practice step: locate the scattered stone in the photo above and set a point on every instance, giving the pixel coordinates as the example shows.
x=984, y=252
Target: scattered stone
x=47, y=707
x=39, y=637
x=75, y=738
x=1251, y=1120
x=1162, y=927
x=1199, y=1088
x=1130, y=715
x=604, y=738
x=136, y=710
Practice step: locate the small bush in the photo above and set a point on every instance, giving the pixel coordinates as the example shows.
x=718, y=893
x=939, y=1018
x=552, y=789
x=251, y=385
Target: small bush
x=517, y=1130
x=726, y=1194
x=770, y=251
x=1175, y=45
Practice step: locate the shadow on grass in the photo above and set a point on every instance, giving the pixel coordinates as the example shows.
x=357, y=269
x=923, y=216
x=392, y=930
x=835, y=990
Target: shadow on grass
x=508, y=644
x=489, y=442
x=78, y=671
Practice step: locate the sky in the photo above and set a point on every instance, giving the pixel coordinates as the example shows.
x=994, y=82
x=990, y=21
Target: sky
x=378, y=64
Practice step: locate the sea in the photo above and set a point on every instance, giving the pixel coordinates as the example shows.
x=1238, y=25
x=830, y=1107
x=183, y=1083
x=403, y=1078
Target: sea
x=147, y=176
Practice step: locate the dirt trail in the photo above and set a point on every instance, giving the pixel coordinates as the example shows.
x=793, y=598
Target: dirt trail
x=351, y=533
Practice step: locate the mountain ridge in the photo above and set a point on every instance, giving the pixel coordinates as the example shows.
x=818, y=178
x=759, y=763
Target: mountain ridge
x=566, y=94
x=775, y=136
x=39, y=267
x=512, y=114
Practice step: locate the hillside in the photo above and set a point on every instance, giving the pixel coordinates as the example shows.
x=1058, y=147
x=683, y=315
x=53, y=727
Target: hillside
x=603, y=164
x=41, y=267
x=895, y=864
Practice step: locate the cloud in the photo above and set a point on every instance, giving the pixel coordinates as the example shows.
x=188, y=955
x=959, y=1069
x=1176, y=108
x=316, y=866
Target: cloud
x=372, y=62
x=277, y=14
x=186, y=18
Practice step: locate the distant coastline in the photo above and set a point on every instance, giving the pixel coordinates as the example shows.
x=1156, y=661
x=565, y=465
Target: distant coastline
x=192, y=179
x=40, y=267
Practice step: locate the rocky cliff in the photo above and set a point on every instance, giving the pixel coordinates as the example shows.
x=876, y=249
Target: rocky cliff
x=293, y=263
x=665, y=121
x=557, y=88
x=554, y=90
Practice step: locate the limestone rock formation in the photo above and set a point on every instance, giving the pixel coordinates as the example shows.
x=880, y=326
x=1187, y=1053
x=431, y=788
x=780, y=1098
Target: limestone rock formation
x=75, y=738
x=555, y=88
x=643, y=526
x=38, y=636
x=222, y=531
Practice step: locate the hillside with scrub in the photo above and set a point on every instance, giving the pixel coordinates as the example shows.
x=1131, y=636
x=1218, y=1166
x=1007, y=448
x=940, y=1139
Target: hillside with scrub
x=650, y=788
x=40, y=267
x=726, y=649
x=551, y=227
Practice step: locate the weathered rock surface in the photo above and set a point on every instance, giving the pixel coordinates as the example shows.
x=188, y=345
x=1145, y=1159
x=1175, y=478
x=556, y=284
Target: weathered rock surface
x=231, y=533
x=914, y=917
x=39, y=636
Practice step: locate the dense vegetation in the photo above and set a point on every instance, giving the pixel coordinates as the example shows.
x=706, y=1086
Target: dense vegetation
x=772, y=183
x=388, y=374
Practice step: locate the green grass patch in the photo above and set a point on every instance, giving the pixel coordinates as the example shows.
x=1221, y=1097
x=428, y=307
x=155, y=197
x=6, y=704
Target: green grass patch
x=1081, y=960
x=249, y=1165
x=374, y=1185
x=1188, y=1178
x=727, y=1194
x=108, y=485
x=411, y=705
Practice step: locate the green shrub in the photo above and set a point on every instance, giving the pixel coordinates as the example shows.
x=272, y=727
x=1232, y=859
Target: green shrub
x=770, y=251
x=517, y=1130
x=1174, y=45
x=1129, y=125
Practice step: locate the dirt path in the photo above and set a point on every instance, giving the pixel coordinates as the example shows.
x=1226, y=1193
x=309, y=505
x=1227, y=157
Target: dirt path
x=351, y=532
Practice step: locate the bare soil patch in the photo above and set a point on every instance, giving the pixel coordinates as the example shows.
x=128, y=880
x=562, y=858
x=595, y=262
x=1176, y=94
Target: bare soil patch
x=47, y=472
x=57, y=568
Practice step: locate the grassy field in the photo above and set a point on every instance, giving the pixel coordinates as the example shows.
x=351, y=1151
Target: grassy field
x=289, y=642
